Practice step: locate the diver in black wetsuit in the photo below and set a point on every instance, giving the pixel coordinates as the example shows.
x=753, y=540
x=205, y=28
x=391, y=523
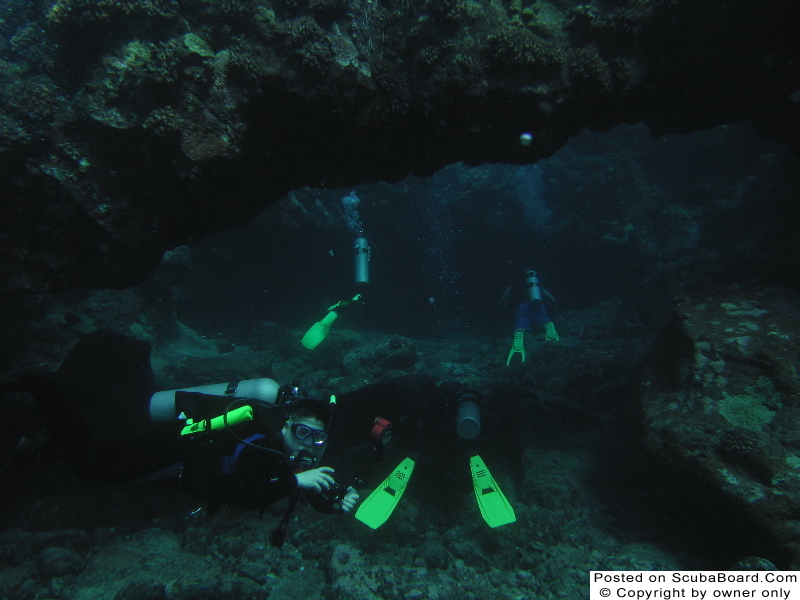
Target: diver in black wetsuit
x=257, y=467
x=102, y=410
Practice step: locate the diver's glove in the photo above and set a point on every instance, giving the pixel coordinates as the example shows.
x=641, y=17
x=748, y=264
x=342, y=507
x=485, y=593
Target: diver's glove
x=518, y=345
x=550, y=332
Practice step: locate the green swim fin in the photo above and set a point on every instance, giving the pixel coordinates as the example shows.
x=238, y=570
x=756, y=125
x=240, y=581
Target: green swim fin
x=318, y=331
x=550, y=332
x=495, y=509
x=378, y=506
x=518, y=345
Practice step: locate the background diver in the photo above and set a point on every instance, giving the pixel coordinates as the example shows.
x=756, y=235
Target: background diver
x=530, y=315
x=362, y=255
x=246, y=444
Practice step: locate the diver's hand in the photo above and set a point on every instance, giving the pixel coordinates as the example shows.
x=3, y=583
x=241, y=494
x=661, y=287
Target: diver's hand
x=349, y=500
x=317, y=480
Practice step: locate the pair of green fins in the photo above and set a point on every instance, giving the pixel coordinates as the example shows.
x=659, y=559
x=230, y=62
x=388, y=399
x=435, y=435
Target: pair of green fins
x=378, y=506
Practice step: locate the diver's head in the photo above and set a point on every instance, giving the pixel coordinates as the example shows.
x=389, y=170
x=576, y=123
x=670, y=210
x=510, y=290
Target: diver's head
x=306, y=426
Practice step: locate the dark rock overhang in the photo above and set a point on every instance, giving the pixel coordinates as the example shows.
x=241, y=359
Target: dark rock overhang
x=132, y=127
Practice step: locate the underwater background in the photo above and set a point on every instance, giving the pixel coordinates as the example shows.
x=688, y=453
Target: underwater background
x=561, y=432
x=659, y=431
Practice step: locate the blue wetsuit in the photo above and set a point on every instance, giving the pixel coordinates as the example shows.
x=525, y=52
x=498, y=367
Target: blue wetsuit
x=530, y=315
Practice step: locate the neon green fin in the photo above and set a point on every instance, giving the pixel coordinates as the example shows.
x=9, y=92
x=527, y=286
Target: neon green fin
x=495, y=509
x=550, y=332
x=378, y=506
x=355, y=298
x=518, y=345
x=318, y=331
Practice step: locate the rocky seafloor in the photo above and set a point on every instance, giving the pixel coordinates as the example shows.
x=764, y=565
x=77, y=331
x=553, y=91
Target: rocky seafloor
x=562, y=436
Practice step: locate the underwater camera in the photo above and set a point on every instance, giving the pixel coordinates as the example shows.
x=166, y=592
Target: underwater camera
x=335, y=493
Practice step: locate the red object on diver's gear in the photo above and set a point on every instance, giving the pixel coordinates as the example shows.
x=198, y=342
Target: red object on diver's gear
x=381, y=432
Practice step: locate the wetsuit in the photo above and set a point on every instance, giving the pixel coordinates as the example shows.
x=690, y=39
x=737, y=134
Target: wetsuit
x=531, y=316
x=225, y=471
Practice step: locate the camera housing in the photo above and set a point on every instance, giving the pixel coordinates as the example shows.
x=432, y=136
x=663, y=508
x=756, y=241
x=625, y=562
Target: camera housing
x=335, y=493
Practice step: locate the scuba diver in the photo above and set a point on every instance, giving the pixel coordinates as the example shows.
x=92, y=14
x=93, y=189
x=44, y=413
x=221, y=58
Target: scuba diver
x=246, y=443
x=256, y=461
x=362, y=256
x=250, y=443
x=438, y=428
x=530, y=316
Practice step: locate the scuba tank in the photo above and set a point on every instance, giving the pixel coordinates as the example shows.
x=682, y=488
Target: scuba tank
x=362, y=255
x=468, y=416
x=534, y=289
x=163, y=407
